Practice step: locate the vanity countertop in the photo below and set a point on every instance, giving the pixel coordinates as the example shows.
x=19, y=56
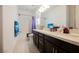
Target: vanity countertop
x=73, y=39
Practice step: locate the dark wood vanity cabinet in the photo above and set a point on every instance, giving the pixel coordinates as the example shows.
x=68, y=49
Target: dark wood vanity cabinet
x=41, y=42
x=51, y=47
x=35, y=38
x=48, y=44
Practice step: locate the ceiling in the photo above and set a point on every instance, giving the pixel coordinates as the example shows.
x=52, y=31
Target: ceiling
x=30, y=8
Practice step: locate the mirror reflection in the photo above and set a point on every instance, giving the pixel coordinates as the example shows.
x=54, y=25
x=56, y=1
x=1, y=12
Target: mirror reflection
x=59, y=16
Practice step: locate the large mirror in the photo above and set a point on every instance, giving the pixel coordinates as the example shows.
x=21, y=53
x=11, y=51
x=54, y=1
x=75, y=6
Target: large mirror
x=60, y=15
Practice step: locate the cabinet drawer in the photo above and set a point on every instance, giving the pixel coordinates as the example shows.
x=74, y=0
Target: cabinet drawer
x=41, y=35
x=35, y=32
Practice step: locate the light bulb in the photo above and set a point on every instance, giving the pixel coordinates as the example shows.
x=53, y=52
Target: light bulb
x=43, y=8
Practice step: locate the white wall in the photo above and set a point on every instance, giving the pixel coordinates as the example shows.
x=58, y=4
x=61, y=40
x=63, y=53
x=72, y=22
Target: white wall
x=71, y=16
x=56, y=15
x=26, y=20
x=25, y=12
x=74, y=16
x=77, y=16
x=25, y=25
x=9, y=14
x=1, y=42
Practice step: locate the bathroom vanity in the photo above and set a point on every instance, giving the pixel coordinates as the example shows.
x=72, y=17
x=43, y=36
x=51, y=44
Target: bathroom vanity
x=55, y=42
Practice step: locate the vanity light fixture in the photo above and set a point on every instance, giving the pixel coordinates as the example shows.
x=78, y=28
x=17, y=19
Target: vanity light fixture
x=43, y=8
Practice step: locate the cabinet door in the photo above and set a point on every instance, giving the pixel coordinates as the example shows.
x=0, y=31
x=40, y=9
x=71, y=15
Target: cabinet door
x=41, y=47
x=35, y=39
x=41, y=44
x=59, y=50
x=49, y=48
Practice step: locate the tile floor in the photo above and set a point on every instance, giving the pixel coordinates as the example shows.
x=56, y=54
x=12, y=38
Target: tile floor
x=25, y=46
